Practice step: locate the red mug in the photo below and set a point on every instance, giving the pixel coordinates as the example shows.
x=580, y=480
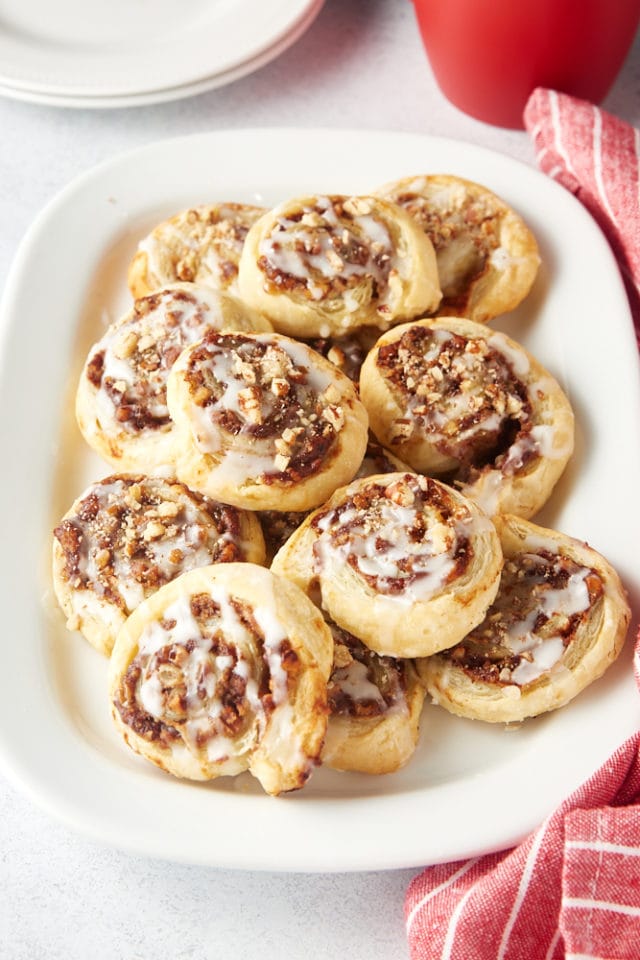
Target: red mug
x=488, y=55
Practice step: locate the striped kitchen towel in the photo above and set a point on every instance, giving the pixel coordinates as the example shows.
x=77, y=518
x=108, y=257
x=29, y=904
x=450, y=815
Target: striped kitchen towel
x=597, y=157
x=571, y=890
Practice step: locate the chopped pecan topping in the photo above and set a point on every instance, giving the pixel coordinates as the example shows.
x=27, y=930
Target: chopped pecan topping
x=468, y=230
x=204, y=243
x=335, y=245
x=204, y=607
x=461, y=393
x=544, y=598
x=129, y=535
x=196, y=685
x=255, y=387
x=362, y=683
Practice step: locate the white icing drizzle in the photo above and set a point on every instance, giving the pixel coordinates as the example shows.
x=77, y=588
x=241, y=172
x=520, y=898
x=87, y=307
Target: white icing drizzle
x=380, y=541
x=486, y=490
x=353, y=681
x=541, y=654
x=202, y=672
x=246, y=458
x=155, y=635
x=500, y=259
x=308, y=248
x=273, y=634
x=543, y=657
x=516, y=357
x=540, y=441
x=189, y=538
x=136, y=351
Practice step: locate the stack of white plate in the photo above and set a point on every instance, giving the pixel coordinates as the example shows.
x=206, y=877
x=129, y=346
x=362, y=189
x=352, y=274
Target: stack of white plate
x=121, y=53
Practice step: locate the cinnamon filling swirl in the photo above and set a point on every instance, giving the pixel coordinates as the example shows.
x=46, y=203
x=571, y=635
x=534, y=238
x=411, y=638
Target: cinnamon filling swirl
x=544, y=601
x=328, y=248
x=209, y=674
x=266, y=392
x=406, y=538
x=130, y=535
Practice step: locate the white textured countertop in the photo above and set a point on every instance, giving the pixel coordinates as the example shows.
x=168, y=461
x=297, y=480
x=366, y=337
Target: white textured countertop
x=360, y=65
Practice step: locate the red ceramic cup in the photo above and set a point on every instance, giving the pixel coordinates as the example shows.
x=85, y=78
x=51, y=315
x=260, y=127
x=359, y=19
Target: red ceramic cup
x=488, y=55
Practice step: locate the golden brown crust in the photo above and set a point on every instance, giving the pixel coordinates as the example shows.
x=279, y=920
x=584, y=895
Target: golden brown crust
x=278, y=525
x=487, y=256
x=264, y=422
x=401, y=561
x=224, y=670
x=199, y=245
x=558, y=622
x=376, y=705
x=121, y=405
x=319, y=266
x=457, y=400
x=127, y=535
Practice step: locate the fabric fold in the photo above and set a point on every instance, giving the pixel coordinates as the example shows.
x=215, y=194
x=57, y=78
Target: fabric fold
x=568, y=890
x=597, y=157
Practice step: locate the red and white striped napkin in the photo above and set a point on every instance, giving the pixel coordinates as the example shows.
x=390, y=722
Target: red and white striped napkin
x=571, y=890
x=597, y=157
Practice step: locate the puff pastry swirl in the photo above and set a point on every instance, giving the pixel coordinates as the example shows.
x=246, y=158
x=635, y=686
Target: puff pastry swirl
x=375, y=703
x=264, y=422
x=401, y=561
x=127, y=535
x=225, y=670
x=277, y=525
x=486, y=254
x=559, y=620
x=322, y=265
x=459, y=401
x=121, y=400
x=199, y=245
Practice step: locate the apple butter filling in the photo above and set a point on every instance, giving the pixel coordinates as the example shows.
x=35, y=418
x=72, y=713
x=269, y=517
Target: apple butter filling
x=209, y=674
x=328, y=248
x=543, y=603
x=262, y=396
